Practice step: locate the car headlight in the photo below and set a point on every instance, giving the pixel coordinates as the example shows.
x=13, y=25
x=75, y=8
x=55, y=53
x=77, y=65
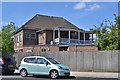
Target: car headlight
x=61, y=68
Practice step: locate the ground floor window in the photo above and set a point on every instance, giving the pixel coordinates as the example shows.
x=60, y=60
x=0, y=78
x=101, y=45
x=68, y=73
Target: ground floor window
x=63, y=48
x=21, y=50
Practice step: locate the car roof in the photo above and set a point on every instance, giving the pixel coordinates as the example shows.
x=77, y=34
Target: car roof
x=34, y=57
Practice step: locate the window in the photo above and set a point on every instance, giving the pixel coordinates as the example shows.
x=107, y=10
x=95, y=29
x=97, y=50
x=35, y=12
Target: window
x=15, y=39
x=20, y=37
x=52, y=61
x=63, y=48
x=31, y=60
x=43, y=50
x=74, y=35
x=27, y=36
x=26, y=60
x=41, y=61
x=33, y=36
x=21, y=50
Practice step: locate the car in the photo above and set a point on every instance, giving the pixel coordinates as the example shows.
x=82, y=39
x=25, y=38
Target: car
x=38, y=65
x=7, y=65
x=1, y=62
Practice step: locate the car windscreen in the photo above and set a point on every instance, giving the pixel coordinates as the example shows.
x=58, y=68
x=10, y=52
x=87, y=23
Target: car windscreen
x=52, y=61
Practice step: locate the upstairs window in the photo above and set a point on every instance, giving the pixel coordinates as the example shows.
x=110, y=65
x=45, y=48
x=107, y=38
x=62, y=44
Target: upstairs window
x=20, y=37
x=33, y=36
x=27, y=36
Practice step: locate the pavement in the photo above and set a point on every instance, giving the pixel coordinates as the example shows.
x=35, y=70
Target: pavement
x=91, y=74
x=95, y=74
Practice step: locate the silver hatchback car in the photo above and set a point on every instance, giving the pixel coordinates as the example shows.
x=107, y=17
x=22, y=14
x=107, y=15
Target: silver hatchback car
x=38, y=65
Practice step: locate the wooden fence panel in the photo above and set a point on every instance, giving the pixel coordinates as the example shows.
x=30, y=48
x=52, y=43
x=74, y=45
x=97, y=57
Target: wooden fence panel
x=102, y=61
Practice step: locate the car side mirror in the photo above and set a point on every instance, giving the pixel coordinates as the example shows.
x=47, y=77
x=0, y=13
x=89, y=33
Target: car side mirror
x=46, y=63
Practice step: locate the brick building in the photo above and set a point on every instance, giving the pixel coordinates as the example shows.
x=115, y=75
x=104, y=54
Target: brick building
x=49, y=33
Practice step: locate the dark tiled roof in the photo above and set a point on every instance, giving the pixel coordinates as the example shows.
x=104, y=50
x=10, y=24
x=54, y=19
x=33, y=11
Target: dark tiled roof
x=40, y=22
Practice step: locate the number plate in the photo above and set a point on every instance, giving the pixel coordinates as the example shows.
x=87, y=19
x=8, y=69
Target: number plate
x=10, y=65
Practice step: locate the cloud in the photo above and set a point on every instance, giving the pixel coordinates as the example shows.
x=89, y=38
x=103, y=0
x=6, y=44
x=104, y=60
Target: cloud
x=92, y=7
x=80, y=6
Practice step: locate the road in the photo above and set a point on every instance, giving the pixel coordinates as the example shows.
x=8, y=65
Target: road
x=18, y=77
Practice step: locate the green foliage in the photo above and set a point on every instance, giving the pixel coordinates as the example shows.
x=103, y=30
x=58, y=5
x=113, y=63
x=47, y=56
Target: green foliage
x=118, y=24
x=0, y=41
x=108, y=34
x=7, y=37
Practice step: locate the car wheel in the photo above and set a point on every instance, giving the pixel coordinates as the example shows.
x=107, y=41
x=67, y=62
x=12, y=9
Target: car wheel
x=23, y=73
x=54, y=74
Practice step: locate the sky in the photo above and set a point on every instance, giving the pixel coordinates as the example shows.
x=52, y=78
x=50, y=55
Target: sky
x=82, y=14
x=60, y=0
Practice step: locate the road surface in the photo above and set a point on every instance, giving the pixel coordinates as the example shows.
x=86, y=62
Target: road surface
x=18, y=77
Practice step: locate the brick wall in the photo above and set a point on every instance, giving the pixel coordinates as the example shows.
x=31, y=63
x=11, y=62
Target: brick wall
x=82, y=48
x=41, y=48
x=55, y=48
x=18, y=44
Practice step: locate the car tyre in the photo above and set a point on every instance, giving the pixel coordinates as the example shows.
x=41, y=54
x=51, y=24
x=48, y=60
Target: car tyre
x=23, y=73
x=54, y=74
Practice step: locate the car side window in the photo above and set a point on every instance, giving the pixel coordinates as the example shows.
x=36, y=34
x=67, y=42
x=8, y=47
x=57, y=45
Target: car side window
x=31, y=60
x=41, y=61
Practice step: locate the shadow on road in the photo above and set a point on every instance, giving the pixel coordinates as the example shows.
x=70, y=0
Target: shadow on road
x=41, y=76
x=74, y=78
x=10, y=74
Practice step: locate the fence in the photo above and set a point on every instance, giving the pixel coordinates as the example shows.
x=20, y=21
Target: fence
x=102, y=61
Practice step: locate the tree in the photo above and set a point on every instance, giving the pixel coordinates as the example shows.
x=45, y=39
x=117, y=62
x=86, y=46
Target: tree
x=118, y=25
x=0, y=41
x=7, y=37
x=107, y=32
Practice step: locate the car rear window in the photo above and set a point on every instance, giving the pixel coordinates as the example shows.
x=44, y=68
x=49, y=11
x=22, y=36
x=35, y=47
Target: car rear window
x=26, y=60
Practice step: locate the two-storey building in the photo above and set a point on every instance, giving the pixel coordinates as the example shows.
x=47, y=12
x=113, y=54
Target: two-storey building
x=49, y=33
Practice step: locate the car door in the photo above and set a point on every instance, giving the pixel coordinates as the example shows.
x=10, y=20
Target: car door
x=41, y=67
x=31, y=67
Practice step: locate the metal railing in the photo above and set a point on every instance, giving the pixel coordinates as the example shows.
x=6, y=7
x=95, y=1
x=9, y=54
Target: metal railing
x=73, y=41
